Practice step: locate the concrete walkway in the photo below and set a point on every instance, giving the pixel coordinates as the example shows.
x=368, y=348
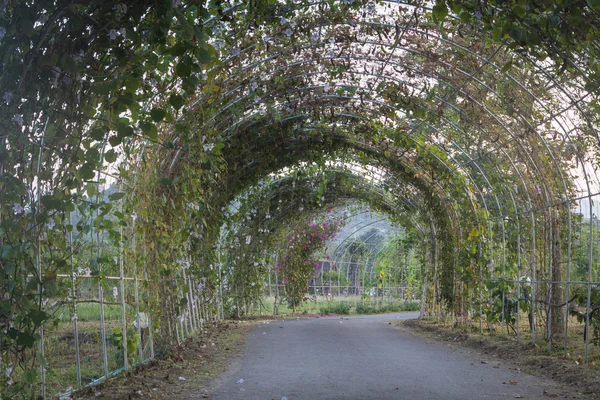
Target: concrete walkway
x=364, y=357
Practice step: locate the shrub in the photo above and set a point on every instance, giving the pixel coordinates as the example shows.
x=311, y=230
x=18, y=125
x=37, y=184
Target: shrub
x=335, y=308
x=410, y=306
x=364, y=309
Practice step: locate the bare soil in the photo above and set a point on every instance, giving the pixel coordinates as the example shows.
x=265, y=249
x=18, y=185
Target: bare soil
x=585, y=378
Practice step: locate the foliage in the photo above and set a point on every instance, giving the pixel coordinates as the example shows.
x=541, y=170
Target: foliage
x=297, y=265
x=132, y=343
x=187, y=107
x=580, y=297
x=337, y=308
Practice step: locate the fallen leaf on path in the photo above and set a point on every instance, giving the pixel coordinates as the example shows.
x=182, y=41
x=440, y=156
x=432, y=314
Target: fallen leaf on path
x=513, y=382
x=205, y=396
x=548, y=394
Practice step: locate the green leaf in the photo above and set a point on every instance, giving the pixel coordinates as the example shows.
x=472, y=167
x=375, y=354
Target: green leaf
x=179, y=49
x=38, y=317
x=25, y=339
x=110, y=156
x=176, y=101
x=149, y=130
x=87, y=171
x=50, y=288
x=157, y=114
x=203, y=56
x=124, y=130
x=50, y=130
x=26, y=27
x=217, y=148
x=49, y=59
x=116, y=196
x=594, y=5
x=97, y=134
x=519, y=11
x=68, y=64
x=7, y=250
x=50, y=202
x=591, y=86
x=497, y=34
x=115, y=140
x=183, y=69
x=76, y=8
x=92, y=155
x=440, y=10
x=30, y=376
x=507, y=66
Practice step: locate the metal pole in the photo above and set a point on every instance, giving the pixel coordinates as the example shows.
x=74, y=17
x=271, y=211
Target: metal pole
x=136, y=292
x=551, y=283
x=38, y=262
x=190, y=297
x=568, y=286
x=74, y=307
x=150, y=336
x=103, y=330
x=532, y=278
x=220, y=282
x=518, y=280
x=503, y=273
x=100, y=289
x=589, y=283
x=122, y=289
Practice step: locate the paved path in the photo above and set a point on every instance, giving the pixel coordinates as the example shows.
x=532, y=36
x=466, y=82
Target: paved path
x=364, y=357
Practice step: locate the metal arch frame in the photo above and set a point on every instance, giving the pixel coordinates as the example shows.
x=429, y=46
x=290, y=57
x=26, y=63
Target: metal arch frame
x=438, y=79
x=584, y=167
x=587, y=174
x=360, y=179
x=443, y=150
x=367, y=188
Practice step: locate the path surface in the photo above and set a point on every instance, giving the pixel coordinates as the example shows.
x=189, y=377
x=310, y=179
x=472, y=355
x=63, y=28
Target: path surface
x=364, y=357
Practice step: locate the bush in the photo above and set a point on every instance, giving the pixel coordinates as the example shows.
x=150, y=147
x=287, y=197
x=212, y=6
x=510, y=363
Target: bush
x=387, y=308
x=410, y=306
x=335, y=308
x=364, y=309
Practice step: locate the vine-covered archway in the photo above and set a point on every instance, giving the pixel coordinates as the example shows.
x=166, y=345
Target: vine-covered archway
x=160, y=159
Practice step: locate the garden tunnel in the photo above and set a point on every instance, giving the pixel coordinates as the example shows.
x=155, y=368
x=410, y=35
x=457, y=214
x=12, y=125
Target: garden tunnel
x=161, y=160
